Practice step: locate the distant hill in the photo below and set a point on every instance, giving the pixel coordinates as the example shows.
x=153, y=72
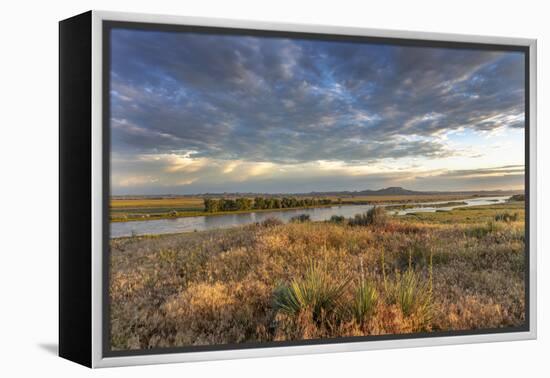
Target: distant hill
x=399, y=191
x=390, y=191
x=394, y=190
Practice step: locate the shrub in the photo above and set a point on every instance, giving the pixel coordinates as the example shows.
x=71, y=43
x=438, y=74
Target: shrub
x=300, y=218
x=506, y=217
x=377, y=216
x=483, y=230
x=316, y=292
x=359, y=220
x=337, y=219
x=271, y=222
x=517, y=197
x=365, y=301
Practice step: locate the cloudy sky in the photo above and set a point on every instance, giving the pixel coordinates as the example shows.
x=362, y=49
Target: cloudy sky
x=195, y=113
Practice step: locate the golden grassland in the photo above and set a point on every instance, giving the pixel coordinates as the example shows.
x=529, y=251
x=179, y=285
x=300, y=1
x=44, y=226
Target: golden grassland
x=191, y=202
x=425, y=272
x=136, y=209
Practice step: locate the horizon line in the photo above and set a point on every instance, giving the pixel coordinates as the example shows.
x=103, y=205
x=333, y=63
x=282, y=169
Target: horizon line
x=326, y=192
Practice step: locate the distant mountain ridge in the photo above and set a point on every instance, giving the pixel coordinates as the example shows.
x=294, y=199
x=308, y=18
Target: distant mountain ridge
x=392, y=190
x=399, y=191
x=389, y=191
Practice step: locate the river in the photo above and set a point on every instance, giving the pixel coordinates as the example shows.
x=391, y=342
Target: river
x=201, y=223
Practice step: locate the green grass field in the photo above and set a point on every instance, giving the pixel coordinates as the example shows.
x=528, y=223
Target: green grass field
x=425, y=272
x=465, y=215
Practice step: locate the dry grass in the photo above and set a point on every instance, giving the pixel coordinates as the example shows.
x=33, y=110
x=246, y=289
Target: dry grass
x=142, y=208
x=319, y=279
x=194, y=202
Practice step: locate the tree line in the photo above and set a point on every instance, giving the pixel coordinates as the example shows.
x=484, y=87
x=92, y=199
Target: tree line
x=259, y=203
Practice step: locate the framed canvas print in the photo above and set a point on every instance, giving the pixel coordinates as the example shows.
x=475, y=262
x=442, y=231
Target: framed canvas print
x=237, y=189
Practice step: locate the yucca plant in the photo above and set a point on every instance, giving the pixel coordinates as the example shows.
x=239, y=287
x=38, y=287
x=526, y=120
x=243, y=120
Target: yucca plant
x=411, y=294
x=316, y=292
x=365, y=301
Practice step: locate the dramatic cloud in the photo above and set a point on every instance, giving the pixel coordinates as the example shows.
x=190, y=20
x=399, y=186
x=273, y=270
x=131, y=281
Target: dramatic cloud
x=212, y=103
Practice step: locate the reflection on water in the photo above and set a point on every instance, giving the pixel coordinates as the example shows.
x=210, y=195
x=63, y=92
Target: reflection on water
x=200, y=223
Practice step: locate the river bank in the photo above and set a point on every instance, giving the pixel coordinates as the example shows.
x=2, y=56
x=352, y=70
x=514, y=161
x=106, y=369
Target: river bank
x=169, y=208
x=226, y=220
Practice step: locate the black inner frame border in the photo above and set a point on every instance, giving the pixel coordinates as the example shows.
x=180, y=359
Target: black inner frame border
x=107, y=26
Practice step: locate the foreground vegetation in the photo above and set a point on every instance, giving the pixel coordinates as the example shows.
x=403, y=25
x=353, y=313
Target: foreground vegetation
x=371, y=275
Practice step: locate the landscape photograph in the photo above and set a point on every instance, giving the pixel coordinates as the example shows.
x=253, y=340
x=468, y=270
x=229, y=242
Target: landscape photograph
x=290, y=188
